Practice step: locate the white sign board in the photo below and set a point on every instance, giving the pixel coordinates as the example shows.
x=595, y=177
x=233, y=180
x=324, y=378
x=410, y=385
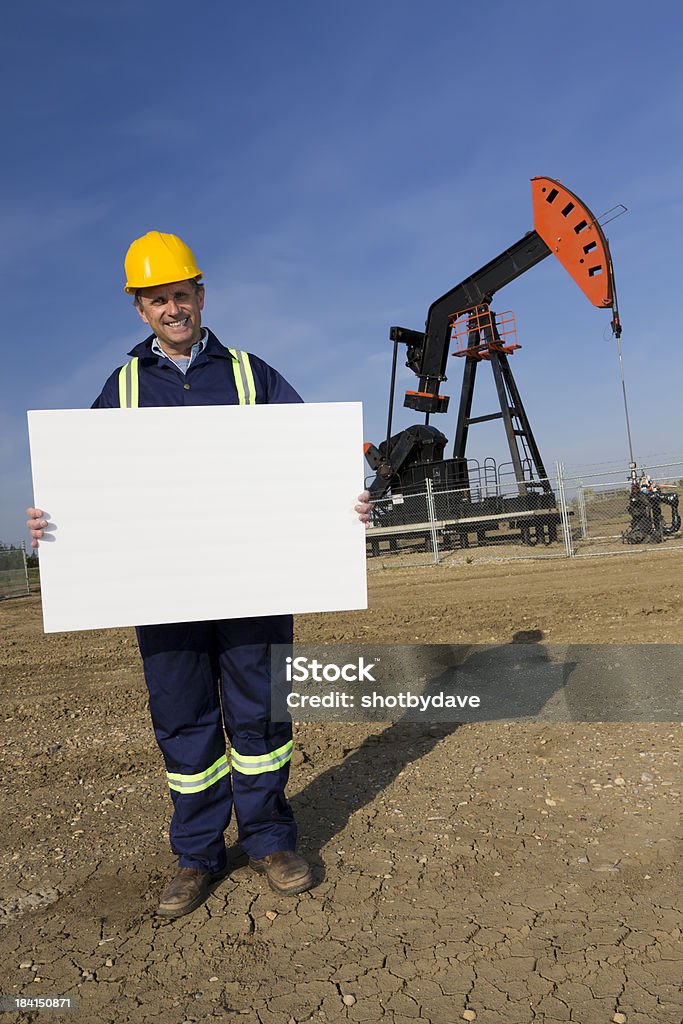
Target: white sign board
x=187, y=514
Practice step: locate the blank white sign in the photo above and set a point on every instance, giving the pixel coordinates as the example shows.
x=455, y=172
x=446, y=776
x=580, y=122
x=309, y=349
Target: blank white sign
x=186, y=514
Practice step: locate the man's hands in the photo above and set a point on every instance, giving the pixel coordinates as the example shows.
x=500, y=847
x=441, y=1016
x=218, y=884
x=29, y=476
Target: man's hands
x=363, y=508
x=36, y=524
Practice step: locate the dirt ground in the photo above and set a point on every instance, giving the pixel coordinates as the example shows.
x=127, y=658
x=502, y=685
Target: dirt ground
x=503, y=872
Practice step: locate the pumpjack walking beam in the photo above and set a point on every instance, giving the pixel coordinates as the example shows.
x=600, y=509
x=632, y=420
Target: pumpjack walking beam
x=428, y=354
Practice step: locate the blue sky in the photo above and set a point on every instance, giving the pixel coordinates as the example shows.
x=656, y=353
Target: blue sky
x=335, y=168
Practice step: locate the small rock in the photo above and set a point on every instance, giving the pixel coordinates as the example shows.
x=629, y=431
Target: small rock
x=619, y=782
x=213, y=978
x=271, y=914
x=26, y=965
x=619, y=1018
x=469, y=1015
x=348, y=1000
x=109, y=962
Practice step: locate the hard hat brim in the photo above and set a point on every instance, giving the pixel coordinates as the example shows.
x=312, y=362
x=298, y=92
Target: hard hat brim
x=132, y=289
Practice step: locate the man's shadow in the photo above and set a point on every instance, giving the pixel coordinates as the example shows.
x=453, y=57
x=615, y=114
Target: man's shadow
x=324, y=806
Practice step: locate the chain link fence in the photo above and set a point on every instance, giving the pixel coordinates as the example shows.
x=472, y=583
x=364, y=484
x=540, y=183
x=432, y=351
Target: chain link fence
x=554, y=518
x=508, y=520
x=404, y=531
x=13, y=573
x=610, y=515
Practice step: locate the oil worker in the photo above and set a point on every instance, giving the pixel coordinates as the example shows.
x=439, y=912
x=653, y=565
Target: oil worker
x=206, y=679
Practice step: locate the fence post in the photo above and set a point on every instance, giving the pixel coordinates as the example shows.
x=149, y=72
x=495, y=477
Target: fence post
x=28, y=585
x=564, y=511
x=432, y=519
x=582, y=509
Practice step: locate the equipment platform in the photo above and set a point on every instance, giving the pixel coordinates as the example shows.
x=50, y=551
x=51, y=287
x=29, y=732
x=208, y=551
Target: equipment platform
x=534, y=526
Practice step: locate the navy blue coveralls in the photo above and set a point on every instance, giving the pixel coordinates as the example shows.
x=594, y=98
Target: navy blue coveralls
x=203, y=675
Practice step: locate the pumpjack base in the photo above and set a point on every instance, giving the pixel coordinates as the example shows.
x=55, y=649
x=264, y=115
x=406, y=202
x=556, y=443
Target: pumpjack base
x=528, y=520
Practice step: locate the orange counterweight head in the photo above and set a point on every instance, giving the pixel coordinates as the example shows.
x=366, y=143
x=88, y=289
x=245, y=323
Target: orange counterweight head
x=572, y=233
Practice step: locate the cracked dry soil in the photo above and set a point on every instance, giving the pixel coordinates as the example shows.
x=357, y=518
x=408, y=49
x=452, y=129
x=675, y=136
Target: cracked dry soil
x=501, y=872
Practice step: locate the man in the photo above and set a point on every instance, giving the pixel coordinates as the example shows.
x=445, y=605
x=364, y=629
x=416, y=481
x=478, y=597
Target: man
x=204, y=677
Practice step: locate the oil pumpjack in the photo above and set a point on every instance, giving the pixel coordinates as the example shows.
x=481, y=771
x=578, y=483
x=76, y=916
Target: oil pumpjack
x=564, y=226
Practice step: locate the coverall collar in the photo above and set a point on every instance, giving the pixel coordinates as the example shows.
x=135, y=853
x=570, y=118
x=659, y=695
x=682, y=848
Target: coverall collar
x=213, y=348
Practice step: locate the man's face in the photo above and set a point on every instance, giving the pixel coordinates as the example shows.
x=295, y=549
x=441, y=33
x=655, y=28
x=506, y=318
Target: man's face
x=174, y=312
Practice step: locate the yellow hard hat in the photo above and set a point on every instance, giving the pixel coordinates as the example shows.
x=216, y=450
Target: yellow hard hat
x=157, y=258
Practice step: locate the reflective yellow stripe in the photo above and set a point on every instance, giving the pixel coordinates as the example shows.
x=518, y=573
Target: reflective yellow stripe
x=135, y=383
x=129, y=385
x=253, y=765
x=251, y=387
x=237, y=370
x=202, y=780
x=244, y=378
